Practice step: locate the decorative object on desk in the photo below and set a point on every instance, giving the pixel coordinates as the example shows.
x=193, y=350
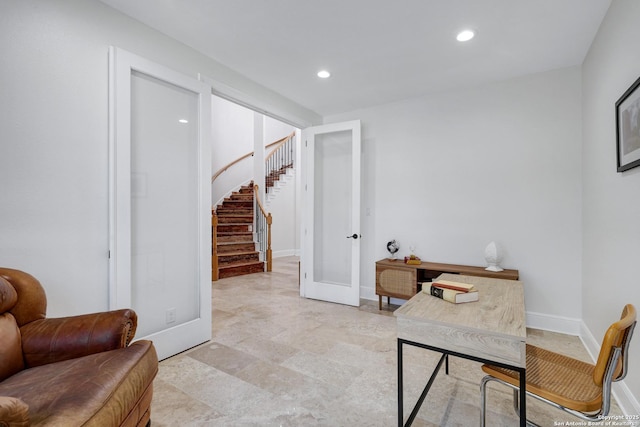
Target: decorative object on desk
x=412, y=260
x=393, y=247
x=449, y=295
x=493, y=256
x=628, y=128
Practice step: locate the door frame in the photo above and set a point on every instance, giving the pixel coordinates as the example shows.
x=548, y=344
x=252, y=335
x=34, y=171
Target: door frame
x=174, y=339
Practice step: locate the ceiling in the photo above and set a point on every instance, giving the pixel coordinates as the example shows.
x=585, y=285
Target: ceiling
x=378, y=51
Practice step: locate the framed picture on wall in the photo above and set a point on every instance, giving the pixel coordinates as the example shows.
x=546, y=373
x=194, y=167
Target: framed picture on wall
x=628, y=128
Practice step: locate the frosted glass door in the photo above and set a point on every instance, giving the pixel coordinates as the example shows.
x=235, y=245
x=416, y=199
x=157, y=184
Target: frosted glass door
x=164, y=200
x=330, y=260
x=332, y=208
x=160, y=240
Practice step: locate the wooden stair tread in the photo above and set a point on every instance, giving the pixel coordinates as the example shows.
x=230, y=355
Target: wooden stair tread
x=229, y=238
x=236, y=248
x=234, y=242
x=240, y=264
x=240, y=269
x=237, y=253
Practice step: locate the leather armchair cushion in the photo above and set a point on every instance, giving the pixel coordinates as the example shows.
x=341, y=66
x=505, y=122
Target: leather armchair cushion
x=11, y=360
x=57, y=339
x=102, y=388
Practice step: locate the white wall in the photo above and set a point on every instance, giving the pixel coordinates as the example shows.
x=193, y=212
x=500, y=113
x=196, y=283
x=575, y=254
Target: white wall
x=232, y=134
x=275, y=130
x=283, y=204
x=611, y=206
x=54, y=141
x=451, y=172
x=285, y=239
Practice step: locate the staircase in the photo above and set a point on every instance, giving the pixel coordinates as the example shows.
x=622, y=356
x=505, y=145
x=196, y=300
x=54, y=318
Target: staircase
x=237, y=254
x=276, y=180
x=272, y=178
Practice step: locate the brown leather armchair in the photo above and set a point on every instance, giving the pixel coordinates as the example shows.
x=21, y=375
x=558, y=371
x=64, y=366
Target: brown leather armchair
x=71, y=371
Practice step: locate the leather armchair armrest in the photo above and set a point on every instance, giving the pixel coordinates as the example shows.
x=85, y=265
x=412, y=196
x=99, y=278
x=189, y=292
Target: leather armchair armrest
x=53, y=340
x=13, y=412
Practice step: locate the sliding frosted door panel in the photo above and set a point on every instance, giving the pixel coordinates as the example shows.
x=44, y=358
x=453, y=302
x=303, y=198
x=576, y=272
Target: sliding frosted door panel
x=164, y=204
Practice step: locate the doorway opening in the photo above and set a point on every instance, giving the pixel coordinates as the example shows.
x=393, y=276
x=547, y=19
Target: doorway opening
x=243, y=145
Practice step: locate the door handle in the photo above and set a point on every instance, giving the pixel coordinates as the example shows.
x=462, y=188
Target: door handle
x=353, y=236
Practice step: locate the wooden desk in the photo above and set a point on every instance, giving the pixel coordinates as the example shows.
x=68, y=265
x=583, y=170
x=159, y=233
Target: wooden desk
x=399, y=280
x=491, y=330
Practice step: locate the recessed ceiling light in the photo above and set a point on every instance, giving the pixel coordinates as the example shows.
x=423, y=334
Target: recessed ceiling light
x=324, y=74
x=466, y=35
x=183, y=121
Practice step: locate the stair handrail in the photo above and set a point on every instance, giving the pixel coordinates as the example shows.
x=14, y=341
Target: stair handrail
x=263, y=219
x=279, y=159
x=228, y=165
x=281, y=141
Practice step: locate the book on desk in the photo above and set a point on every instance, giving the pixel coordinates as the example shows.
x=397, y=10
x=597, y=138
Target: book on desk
x=450, y=291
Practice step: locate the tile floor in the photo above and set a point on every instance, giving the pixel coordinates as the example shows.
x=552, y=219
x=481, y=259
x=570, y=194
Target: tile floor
x=276, y=359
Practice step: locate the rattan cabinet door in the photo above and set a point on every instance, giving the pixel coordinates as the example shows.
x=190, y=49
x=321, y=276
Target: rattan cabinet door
x=396, y=282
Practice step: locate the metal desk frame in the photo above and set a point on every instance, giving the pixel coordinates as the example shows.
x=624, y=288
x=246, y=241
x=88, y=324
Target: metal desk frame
x=445, y=359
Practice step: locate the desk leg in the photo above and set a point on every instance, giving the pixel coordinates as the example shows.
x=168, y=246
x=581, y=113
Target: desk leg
x=400, y=403
x=523, y=399
x=416, y=408
x=423, y=395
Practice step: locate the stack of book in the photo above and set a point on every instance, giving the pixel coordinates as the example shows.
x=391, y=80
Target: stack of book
x=455, y=292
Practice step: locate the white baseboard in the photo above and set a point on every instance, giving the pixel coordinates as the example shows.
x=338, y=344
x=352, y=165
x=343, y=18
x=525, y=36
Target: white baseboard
x=368, y=293
x=284, y=253
x=546, y=322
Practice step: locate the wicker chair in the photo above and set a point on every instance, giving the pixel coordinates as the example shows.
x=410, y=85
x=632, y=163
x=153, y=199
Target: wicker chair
x=576, y=387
